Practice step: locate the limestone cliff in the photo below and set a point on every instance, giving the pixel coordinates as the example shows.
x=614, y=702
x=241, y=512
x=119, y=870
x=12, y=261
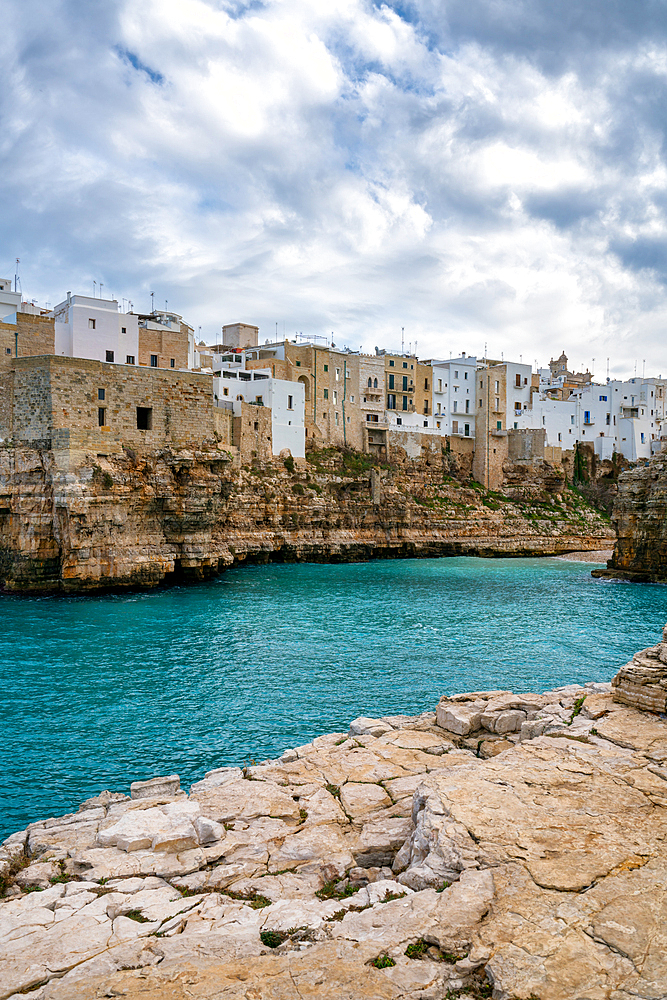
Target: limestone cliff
x=640, y=516
x=144, y=519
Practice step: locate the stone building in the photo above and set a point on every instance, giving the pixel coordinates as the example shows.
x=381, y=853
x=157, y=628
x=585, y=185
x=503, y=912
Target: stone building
x=89, y=406
x=24, y=335
x=164, y=341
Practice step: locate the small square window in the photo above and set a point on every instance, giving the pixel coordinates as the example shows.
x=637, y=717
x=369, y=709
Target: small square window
x=153, y=360
x=298, y=364
x=110, y=355
x=129, y=360
x=123, y=329
x=144, y=418
x=326, y=368
x=100, y=394
x=391, y=364
x=91, y=324
x=172, y=362
x=405, y=364
x=8, y=350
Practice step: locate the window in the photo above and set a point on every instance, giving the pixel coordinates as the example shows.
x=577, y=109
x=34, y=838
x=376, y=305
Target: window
x=499, y=425
x=516, y=426
x=497, y=386
x=290, y=402
x=456, y=406
x=326, y=368
x=144, y=418
x=405, y=364
x=336, y=418
x=391, y=364
x=100, y=394
x=572, y=419
x=587, y=416
x=375, y=383
x=481, y=383
x=338, y=374
x=481, y=403
x=405, y=383
x=405, y=402
x=101, y=416
x=426, y=406
x=391, y=402
x=172, y=362
x=439, y=385
x=467, y=406
x=497, y=402
x=426, y=423
x=352, y=399
x=123, y=329
x=370, y=383
x=110, y=355
x=91, y=324
x=326, y=393
x=466, y=430
x=425, y=385
x=298, y=364
x=560, y=436
x=225, y=391
x=256, y=425
x=399, y=421
x=608, y=418
x=260, y=400
x=603, y=399
x=518, y=381
x=465, y=374
x=129, y=360
x=455, y=426
x=456, y=374
x=517, y=407
x=335, y=397
x=544, y=420
x=8, y=350
x=643, y=441
x=153, y=360
x=391, y=382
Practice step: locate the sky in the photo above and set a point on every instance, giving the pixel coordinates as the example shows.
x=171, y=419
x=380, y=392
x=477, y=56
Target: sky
x=489, y=175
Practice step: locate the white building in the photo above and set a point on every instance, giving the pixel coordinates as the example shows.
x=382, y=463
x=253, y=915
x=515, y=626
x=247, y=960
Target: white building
x=234, y=386
x=10, y=301
x=94, y=328
x=453, y=396
x=623, y=417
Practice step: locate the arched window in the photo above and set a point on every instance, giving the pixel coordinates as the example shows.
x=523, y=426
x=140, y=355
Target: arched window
x=370, y=383
x=375, y=383
x=239, y=398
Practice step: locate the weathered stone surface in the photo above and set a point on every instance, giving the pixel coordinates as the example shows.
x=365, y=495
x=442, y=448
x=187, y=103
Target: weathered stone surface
x=642, y=683
x=461, y=718
x=211, y=515
x=541, y=869
x=156, y=787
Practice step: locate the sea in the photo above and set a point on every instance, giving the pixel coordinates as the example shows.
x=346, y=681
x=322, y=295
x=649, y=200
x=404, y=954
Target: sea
x=102, y=690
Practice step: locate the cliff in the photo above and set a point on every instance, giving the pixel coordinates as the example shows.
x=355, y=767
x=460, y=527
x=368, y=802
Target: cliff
x=640, y=518
x=505, y=845
x=139, y=520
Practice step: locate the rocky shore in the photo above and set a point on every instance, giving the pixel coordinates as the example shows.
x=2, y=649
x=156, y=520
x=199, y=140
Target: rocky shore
x=144, y=520
x=505, y=845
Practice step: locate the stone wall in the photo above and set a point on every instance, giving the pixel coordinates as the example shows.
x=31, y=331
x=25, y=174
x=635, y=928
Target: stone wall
x=53, y=394
x=36, y=335
x=167, y=344
x=252, y=433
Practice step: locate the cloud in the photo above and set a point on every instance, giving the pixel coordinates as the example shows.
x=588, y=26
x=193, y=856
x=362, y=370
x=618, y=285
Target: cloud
x=487, y=171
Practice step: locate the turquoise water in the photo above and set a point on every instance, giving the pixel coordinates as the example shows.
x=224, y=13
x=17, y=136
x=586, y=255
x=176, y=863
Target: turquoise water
x=99, y=691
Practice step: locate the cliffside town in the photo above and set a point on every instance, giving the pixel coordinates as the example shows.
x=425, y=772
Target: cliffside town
x=504, y=845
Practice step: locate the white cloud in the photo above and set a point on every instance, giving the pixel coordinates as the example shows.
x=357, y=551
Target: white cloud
x=338, y=166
